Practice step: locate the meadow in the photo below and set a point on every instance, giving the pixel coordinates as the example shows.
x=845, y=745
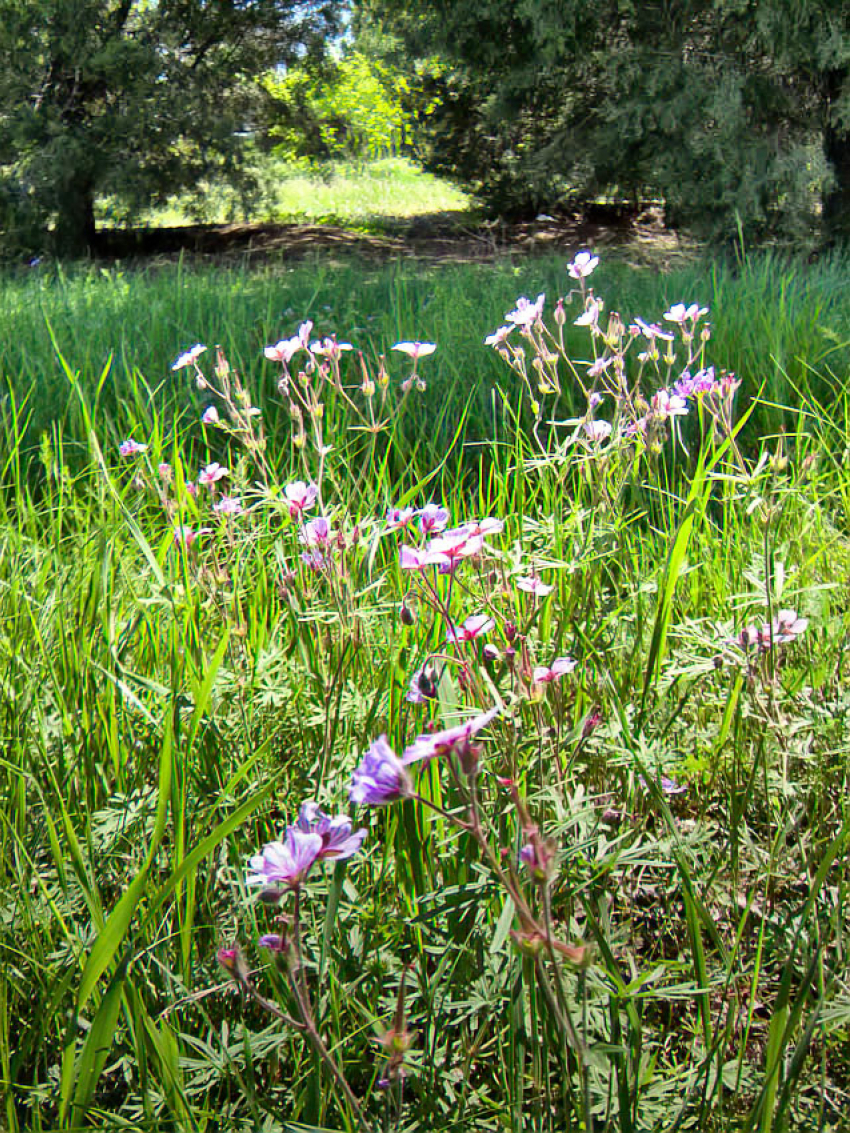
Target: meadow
x=553, y=632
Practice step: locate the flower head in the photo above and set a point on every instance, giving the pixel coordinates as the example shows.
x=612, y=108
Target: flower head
x=432, y=519
x=415, y=350
x=316, y=532
x=189, y=357
x=229, y=505
x=338, y=841
x=284, y=351
x=681, y=314
x=381, y=777
x=544, y=674
x=399, y=517
x=186, y=536
x=210, y=416
x=499, y=337
x=423, y=685
x=287, y=862
x=212, y=473
x=131, y=448
x=597, y=431
x=300, y=497
x=474, y=627
x=526, y=313
x=582, y=265
x=451, y=739
x=535, y=585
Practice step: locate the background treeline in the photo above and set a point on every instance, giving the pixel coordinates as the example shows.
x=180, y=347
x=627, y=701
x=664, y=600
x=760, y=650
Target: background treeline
x=733, y=113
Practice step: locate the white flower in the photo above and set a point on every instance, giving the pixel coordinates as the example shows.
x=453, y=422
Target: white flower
x=415, y=350
x=681, y=314
x=582, y=265
x=526, y=313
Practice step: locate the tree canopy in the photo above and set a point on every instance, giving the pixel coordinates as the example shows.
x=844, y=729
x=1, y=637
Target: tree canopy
x=137, y=98
x=735, y=112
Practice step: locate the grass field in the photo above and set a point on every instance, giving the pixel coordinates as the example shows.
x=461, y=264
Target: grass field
x=613, y=896
x=355, y=194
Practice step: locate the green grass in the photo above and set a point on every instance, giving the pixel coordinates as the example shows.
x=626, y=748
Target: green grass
x=163, y=714
x=352, y=194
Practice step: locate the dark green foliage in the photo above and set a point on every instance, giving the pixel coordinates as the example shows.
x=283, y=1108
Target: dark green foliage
x=129, y=98
x=735, y=112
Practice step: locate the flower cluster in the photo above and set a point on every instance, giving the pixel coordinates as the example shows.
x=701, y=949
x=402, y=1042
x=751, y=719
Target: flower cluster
x=314, y=837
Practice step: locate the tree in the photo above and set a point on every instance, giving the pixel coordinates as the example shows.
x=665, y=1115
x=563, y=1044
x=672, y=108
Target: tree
x=735, y=112
x=137, y=98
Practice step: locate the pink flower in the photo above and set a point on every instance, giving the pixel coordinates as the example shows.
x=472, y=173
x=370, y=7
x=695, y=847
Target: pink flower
x=534, y=585
x=338, y=842
x=212, y=473
x=590, y=317
x=229, y=505
x=681, y=314
x=441, y=743
x=432, y=519
x=284, y=351
x=189, y=357
x=666, y=404
x=415, y=350
x=210, y=416
x=329, y=348
x=165, y=472
x=650, y=331
x=474, y=626
x=597, y=431
x=526, y=313
x=499, y=337
x=192, y=488
x=411, y=558
x=300, y=497
x=582, y=265
x=399, y=517
x=186, y=536
x=483, y=527
x=544, y=674
x=316, y=533
x=131, y=448
x=456, y=544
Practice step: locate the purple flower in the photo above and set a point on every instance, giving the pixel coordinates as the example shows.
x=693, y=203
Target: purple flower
x=273, y=941
x=441, y=743
x=666, y=404
x=337, y=839
x=316, y=533
x=229, y=505
x=287, y=862
x=681, y=314
x=399, y=517
x=131, y=448
x=423, y=685
x=381, y=777
x=410, y=558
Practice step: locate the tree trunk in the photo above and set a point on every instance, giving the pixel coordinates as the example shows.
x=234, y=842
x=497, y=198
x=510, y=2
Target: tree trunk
x=836, y=146
x=75, y=230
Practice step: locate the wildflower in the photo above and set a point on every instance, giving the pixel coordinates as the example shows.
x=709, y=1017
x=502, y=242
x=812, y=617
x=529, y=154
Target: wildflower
x=316, y=533
x=544, y=674
x=210, y=416
x=526, y=313
x=189, y=357
x=703, y=381
x=681, y=314
x=597, y=431
x=487, y=526
x=423, y=685
x=300, y=497
x=192, y=488
x=666, y=405
x=273, y=941
x=284, y=351
x=399, y=517
x=456, y=544
x=582, y=265
x=314, y=559
x=303, y=335
x=381, y=777
x=590, y=316
x=131, y=448
x=534, y=585
x=329, y=348
x=432, y=519
x=415, y=350
x=595, y=369
x=186, y=536
x=499, y=337
x=229, y=505
x=338, y=841
x=449, y=740
x=474, y=627
x=164, y=472
x=287, y=862
x=651, y=331
x=787, y=626
x=668, y=786
x=212, y=473
x=539, y=856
